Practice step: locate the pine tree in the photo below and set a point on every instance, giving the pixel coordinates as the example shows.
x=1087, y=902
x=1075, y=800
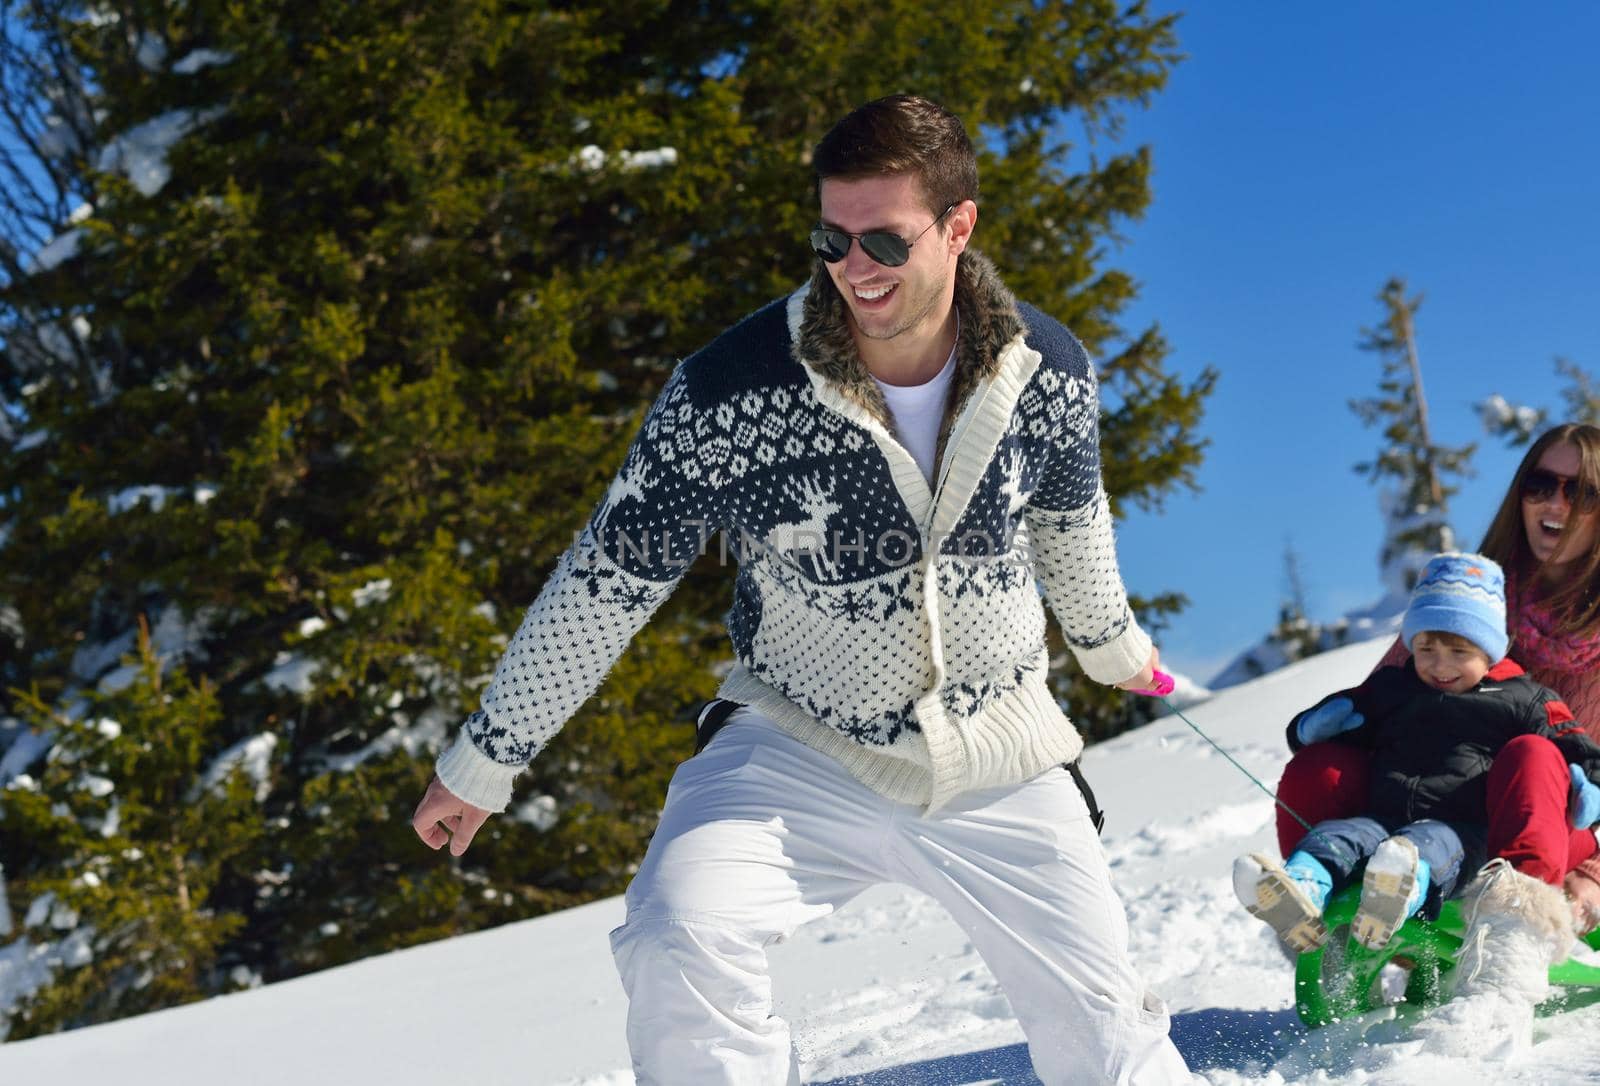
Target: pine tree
x=1518, y=424
x=134, y=836
x=1295, y=632
x=1416, y=469
x=1580, y=397
x=1296, y=635
x=348, y=316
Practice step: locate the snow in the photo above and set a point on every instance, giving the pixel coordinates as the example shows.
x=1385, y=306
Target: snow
x=430, y=731
x=173, y=636
x=201, y=58
x=140, y=153
x=886, y=991
x=252, y=755
x=128, y=497
x=540, y=812
x=1400, y=563
x=591, y=158
x=97, y=786
x=26, y=748
x=24, y=966
x=291, y=673
x=156, y=496
x=1499, y=416
x=54, y=341
x=38, y=911
x=58, y=139
x=151, y=52
x=649, y=160
x=372, y=592
x=58, y=250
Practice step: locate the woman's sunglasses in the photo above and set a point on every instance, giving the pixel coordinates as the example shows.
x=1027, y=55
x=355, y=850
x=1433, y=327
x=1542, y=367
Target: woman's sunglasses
x=1541, y=484
x=890, y=250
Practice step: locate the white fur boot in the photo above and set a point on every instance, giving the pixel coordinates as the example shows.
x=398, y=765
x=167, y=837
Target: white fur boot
x=1517, y=928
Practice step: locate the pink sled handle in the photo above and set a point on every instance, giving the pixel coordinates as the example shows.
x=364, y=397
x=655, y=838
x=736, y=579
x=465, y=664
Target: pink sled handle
x=1162, y=687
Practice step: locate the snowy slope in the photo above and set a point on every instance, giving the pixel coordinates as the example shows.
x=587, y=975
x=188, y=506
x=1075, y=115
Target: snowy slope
x=886, y=991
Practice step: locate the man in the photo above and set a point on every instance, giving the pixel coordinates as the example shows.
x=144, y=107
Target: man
x=899, y=448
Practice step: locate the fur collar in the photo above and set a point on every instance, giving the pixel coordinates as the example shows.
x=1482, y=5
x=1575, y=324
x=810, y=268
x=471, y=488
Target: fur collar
x=989, y=321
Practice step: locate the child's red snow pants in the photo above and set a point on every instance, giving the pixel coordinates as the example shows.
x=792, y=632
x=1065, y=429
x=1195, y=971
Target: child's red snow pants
x=1527, y=797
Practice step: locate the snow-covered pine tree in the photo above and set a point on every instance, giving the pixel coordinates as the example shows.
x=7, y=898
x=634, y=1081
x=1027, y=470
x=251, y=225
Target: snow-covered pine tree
x=1295, y=634
x=1581, y=396
x=1412, y=472
x=324, y=327
x=128, y=830
x=1518, y=424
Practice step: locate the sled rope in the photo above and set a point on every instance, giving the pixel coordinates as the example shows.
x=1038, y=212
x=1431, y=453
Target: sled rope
x=1273, y=795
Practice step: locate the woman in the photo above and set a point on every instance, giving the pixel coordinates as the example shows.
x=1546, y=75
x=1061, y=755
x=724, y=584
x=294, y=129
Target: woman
x=1546, y=535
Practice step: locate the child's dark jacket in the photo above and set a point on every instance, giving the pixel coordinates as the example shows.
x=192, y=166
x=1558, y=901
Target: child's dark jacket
x=1431, y=750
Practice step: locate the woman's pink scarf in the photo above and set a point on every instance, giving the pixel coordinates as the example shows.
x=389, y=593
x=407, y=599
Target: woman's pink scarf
x=1537, y=642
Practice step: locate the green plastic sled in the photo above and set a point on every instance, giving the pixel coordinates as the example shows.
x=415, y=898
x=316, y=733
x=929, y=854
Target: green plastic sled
x=1340, y=979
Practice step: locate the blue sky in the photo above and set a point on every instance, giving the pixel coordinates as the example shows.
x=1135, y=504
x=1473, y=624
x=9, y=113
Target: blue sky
x=1303, y=156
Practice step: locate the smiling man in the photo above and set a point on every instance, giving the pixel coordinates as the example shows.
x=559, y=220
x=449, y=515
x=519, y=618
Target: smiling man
x=901, y=450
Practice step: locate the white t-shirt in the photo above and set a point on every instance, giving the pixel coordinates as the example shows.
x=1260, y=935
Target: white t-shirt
x=918, y=410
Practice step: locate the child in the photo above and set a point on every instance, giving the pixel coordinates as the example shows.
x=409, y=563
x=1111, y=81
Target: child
x=1433, y=727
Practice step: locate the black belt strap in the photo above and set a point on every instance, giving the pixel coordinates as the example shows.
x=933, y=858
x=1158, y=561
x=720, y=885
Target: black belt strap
x=715, y=713
x=1096, y=815
x=710, y=719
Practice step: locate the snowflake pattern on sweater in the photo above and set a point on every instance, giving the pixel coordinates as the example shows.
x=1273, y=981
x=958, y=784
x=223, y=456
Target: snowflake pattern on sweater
x=895, y=625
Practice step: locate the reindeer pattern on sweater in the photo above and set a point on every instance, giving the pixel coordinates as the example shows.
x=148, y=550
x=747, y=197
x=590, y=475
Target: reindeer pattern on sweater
x=893, y=624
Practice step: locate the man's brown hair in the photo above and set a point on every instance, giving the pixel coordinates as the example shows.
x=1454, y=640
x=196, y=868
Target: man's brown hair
x=902, y=134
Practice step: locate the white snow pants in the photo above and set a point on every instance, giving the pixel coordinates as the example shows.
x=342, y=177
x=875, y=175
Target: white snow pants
x=760, y=834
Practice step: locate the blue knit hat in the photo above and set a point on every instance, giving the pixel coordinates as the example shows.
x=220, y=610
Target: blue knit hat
x=1462, y=594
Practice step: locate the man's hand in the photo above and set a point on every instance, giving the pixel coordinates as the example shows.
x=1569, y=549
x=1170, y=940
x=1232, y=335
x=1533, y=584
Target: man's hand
x=1146, y=678
x=442, y=817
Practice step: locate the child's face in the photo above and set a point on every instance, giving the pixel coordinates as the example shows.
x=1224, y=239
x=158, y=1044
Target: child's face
x=1449, y=664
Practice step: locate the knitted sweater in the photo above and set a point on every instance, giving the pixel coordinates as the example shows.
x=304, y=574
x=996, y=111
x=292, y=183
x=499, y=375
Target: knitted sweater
x=893, y=625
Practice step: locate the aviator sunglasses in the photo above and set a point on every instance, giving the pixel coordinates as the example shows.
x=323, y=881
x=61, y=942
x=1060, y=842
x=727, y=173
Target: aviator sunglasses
x=1540, y=484
x=890, y=250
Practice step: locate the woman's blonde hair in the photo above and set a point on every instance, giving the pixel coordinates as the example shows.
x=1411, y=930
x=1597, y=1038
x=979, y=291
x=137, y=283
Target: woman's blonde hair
x=1576, y=602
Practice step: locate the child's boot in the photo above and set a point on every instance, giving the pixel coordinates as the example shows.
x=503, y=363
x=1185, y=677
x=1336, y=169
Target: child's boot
x=1289, y=897
x=1393, y=889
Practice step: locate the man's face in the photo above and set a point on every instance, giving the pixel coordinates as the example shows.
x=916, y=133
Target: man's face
x=914, y=298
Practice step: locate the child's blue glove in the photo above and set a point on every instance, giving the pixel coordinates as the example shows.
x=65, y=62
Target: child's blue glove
x=1327, y=720
x=1585, y=799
